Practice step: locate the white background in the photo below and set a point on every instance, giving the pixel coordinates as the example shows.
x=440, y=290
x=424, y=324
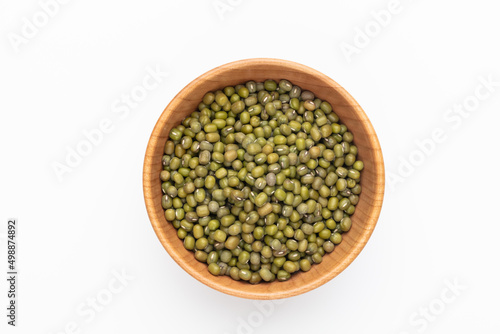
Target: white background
x=438, y=225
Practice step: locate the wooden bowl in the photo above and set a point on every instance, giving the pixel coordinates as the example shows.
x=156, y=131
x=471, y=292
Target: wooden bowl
x=350, y=113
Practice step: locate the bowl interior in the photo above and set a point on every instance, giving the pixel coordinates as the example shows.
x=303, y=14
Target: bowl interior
x=350, y=113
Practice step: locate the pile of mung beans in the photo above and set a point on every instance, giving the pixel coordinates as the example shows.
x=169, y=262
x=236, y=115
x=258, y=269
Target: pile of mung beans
x=260, y=182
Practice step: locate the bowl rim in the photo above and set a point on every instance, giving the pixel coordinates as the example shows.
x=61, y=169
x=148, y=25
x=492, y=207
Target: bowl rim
x=361, y=241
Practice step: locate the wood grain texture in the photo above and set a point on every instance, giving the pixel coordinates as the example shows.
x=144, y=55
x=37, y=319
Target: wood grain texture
x=350, y=113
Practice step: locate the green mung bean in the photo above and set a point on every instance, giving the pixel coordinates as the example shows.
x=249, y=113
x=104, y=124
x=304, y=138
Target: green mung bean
x=261, y=181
